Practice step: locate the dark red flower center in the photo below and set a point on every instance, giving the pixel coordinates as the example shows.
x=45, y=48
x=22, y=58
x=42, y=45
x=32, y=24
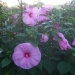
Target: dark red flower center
x=26, y=55
x=30, y=14
x=47, y=13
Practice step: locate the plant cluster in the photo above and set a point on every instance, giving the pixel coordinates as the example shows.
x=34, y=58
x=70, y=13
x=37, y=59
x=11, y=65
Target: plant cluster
x=39, y=41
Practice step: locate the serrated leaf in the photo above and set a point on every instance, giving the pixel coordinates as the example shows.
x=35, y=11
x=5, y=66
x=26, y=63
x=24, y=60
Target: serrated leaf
x=5, y=62
x=63, y=67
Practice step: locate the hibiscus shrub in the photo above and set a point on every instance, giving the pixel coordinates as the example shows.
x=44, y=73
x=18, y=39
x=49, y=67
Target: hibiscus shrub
x=39, y=44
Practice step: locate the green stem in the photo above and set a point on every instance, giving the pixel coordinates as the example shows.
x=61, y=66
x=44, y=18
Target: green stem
x=21, y=12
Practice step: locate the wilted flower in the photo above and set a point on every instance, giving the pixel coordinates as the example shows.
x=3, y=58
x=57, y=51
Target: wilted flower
x=60, y=35
x=10, y=18
x=44, y=38
x=15, y=16
x=15, y=21
x=56, y=25
x=63, y=43
x=26, y=55
x=54, y=38
x=30, y=15
x=73, y=43
x=15, y=32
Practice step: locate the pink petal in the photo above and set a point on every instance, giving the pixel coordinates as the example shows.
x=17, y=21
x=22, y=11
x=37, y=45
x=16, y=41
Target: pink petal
x=60, y=35
x=73, y=43
x=26, y=62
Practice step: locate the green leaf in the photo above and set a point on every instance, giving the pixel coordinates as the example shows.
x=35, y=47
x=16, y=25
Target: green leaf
x=13, y=71
x=50, y=65
x=20, y=35
x=73, y=51
x=4, y=48
x=72, y=70
x=10, y=26
x=5, y=39
x=5, y=62
x=55, y=58
x=40, y=65
x=35, y=27
x=22, y=71
x=73, y=54
x=63, y=67
x=48, y=26
x=34, y=42
x=32, y=71
x=68, y=24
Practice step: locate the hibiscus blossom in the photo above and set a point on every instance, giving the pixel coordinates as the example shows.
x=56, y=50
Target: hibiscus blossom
x=26, y=55
x=15, y=16
x=30, y=15
x=43, y=14
x=73, y=43
x=63, y=43
x=44, y=38
x=48, y=7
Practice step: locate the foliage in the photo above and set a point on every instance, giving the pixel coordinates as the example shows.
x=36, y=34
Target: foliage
x=54, y=61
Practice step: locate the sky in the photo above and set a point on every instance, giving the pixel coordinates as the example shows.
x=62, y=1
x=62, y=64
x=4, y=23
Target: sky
x=51, y=2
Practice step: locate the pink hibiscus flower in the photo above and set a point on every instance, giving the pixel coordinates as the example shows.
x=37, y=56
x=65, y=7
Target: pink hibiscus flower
x=43, y=14
x=44, y=38
x=63, y=43
x=48, y=7
x=60, y=35
x=30, y=15
x=15, y=16
x=73, y=43
x=26, y=55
